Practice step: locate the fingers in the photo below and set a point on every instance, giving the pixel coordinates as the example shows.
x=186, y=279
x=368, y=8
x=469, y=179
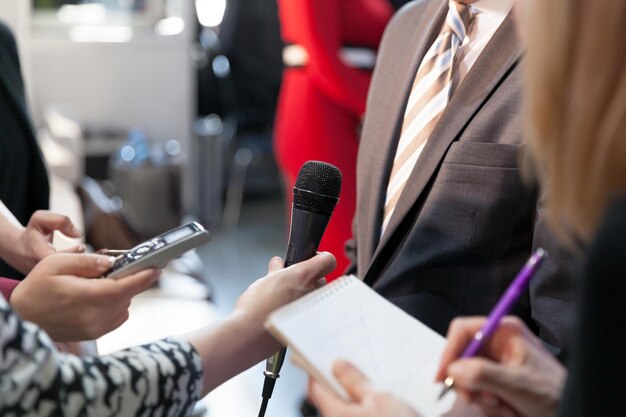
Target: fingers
x=325, y=400
x=353, y=380
x=462, y=330
x=276, y=264
x=74, y=249
x=326, y=263
x=492, y=406
x=48, y=222
x=133, y=284
x=478, y=374
x=40, y=247
x=311, y=270
x=89, y=266
x=460, y=333
x=511, y=326
x=499, y=411
x=114, y=296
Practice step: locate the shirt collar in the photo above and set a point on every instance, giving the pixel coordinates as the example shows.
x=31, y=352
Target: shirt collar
x=492, y=6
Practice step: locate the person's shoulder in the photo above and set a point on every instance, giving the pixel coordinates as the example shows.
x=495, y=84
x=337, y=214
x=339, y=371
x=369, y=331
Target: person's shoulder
x=6, y=35
x=411, y=14
x=416, y=9
x=5, y=31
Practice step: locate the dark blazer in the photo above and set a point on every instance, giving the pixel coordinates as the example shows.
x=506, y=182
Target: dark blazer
x=465, y=223
x=23, y=179
x=597, y=370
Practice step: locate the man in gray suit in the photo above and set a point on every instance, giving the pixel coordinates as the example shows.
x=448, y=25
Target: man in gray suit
x=464, y=222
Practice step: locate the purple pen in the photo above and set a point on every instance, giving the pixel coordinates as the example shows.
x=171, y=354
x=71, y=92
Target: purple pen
x=505, y=303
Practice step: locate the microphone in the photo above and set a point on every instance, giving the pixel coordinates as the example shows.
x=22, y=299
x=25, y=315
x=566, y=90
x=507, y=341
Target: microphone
x=315, y=196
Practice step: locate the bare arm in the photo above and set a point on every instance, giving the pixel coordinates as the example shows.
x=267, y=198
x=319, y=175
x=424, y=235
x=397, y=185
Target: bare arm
x=240, y=341
x=132, y=380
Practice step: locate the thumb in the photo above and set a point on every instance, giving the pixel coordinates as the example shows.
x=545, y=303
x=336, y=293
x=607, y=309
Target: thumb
x=352, y=379
x=80, y=248
x=40, y=246
x=131, y=285
x=276, y=264
x=318, y=266
x=89, y=266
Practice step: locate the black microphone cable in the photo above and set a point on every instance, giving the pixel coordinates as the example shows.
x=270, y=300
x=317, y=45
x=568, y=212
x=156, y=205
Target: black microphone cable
x=315, y=195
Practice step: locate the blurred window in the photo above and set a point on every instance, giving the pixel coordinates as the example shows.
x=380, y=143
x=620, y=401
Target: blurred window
x=108, y=20
x=105, y=12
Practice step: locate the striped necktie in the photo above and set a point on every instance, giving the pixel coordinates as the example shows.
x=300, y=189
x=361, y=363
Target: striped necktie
x=429, y=96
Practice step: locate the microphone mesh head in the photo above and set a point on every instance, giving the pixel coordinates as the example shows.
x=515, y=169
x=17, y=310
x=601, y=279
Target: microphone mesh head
x=319, y=178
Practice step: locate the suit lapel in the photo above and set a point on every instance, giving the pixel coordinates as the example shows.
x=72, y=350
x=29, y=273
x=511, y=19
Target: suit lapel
x=374, y=182
x=500, y=54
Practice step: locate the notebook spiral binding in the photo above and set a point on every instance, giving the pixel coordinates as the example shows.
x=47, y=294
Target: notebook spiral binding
x=316, y=296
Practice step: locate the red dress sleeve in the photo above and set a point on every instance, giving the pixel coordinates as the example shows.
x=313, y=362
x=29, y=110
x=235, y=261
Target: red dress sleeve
x=7, y=285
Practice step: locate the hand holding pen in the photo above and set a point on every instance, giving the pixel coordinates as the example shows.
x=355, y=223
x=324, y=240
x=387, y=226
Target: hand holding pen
x=503, y=306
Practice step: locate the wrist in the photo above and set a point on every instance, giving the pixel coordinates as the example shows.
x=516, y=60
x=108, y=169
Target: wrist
x=251, y=328
x=7, y=286
x=10, y=244
x=229, y=347
x=15, y=300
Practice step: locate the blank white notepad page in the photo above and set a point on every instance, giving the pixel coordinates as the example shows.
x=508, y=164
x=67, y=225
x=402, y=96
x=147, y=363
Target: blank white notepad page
x=348, y=320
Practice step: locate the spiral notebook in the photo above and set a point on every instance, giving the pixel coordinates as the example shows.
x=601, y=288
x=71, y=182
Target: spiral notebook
x=346, y=319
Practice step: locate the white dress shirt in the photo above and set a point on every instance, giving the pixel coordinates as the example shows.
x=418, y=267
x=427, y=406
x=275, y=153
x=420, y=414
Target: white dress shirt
x=489, y=15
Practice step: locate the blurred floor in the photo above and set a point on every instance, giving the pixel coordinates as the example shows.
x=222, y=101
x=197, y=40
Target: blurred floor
x=233, y=260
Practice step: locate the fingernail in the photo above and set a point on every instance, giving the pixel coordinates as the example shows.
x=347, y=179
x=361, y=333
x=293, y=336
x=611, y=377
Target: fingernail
x=77, y=231
x=105, y=261
x=81, y=248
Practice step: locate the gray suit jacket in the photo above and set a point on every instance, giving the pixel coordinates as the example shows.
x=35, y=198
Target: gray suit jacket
x=466, y=222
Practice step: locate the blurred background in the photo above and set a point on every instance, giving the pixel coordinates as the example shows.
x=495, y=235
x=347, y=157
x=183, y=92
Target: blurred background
x=151, y=113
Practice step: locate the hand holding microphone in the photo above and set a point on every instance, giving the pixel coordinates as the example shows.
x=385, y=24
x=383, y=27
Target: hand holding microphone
x=315, y=196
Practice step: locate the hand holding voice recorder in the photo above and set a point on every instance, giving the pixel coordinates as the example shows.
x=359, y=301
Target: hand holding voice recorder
x=158, y=251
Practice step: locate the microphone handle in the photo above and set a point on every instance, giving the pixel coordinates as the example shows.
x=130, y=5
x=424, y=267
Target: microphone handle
x=307, y=229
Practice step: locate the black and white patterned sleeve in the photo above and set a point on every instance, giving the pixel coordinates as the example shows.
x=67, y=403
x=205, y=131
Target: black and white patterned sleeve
x=162, y=378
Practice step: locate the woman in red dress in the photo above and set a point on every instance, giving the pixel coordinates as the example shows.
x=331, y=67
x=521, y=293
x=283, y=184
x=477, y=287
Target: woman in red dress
x=328, y=59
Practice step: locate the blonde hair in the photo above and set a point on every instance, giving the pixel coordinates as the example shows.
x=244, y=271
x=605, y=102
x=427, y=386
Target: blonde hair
x=576, y=107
